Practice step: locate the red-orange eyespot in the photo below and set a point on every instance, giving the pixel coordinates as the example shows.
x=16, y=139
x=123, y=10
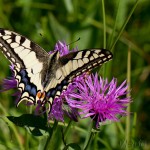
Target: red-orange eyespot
x=43, y=95
x=38, y=94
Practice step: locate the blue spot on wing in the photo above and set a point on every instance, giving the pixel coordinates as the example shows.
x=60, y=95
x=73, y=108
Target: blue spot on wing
x=23, y=73
x=59, y=87
x=25, y=81
x=33, y=91
x=51, y=93
x=29, y=87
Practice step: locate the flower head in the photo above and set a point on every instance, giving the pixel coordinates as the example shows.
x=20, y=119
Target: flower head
x=99, y=99
x=9, y=83
x=63, y=48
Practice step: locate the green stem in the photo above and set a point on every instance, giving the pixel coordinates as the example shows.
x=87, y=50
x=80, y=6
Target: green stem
x=48, y=142
x=124, y=25
x=104, y=143
x=114, y=28
x=88, y=137
x=128, y=123
x=67, y=129
x=89, y=140
x=134, y=125
x=104, y=31
x=104, y=24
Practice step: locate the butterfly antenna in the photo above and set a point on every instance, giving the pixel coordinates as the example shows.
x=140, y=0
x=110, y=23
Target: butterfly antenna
x=45, y=40
x=73, y=42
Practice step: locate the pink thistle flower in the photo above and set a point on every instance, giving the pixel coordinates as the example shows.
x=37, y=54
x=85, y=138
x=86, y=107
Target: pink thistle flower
x=99, y=99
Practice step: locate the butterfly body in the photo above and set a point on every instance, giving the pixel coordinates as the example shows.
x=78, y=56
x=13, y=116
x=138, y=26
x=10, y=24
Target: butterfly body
x=43, y=76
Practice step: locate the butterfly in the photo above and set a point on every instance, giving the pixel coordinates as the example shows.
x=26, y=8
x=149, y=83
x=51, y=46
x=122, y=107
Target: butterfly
x=43, y=76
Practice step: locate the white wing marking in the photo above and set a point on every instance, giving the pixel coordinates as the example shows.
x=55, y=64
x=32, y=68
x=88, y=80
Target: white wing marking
x=27, y=44
x=9, y=41
x=75, y=64
x=95, y=55
x=6, y=37
x=86, y=60
x=17, y=64
x=79, y=56
x=104, y=59
x=21, y=85
x=7, y=32
x=87, y=53
x=67, y=68
x=80, y=63
x=91, y=58
x=102, y=55
x=58, y=74
x=18, y=49
x=109, y=56
x=24, y=53
x=99, y=61
x=14, y=45
x=31, y=56
x=18, y=38
x=8, y=54
x=97, y=51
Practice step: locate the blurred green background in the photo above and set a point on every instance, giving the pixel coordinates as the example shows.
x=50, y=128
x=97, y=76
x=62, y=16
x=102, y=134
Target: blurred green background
x=68, y=20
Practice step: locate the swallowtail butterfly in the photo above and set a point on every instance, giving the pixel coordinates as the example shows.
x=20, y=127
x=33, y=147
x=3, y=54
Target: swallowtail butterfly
x=42, y=76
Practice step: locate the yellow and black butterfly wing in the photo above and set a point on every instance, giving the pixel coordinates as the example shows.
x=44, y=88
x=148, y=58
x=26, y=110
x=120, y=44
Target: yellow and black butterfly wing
x=65, y=69
x=29, y=60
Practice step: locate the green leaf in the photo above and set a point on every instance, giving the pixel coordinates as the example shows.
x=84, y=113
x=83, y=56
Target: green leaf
x=36, y=132
x=34, y=123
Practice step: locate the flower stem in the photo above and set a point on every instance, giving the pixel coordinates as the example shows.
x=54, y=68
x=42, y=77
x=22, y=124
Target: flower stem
x=104, y=24
x=104, y=31
x=88, y=142
x=128, y=95
x=48, y=142
x=89, y=137
x=134, y=125
x=105, y=143
x=67, y=129
x=124, y=25
x=112, y=36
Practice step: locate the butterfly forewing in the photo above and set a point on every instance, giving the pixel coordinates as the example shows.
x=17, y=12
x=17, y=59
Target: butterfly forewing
x=21, y=51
